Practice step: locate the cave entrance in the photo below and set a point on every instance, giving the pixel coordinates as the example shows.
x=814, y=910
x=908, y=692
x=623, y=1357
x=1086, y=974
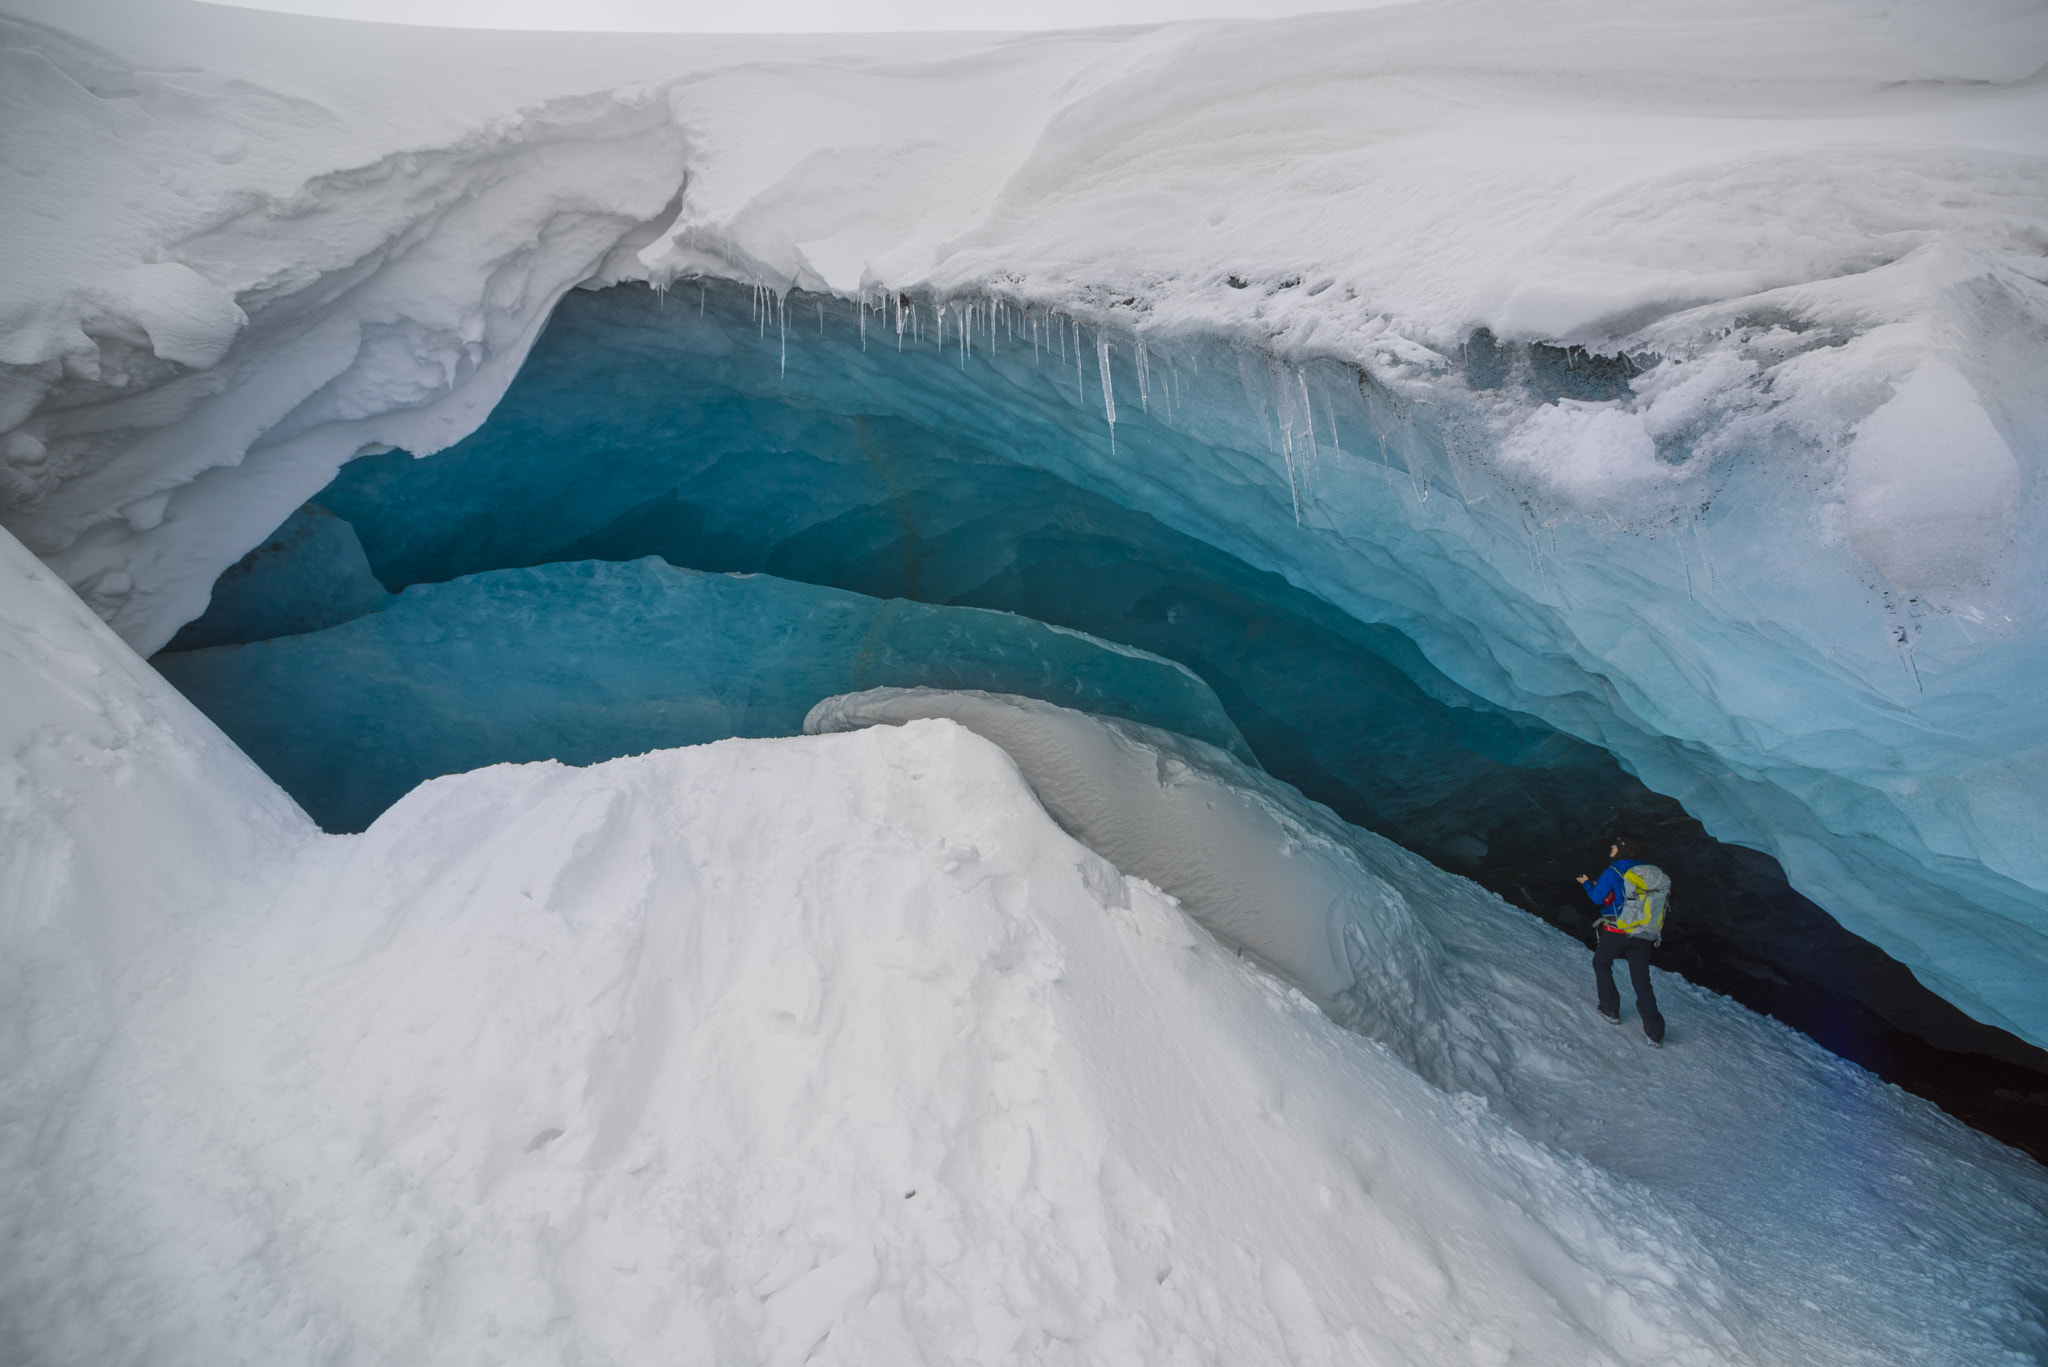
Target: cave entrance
x=970, y=458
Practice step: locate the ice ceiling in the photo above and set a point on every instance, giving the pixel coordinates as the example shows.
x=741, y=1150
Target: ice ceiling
x=1669, y=387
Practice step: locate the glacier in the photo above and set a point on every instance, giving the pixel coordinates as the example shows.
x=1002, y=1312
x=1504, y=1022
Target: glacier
x=1484, y=398
x=1730, y=572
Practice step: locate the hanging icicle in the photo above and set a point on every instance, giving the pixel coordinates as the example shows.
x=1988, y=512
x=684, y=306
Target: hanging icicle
x=1287, y=456
x=1108, y=388
x=1308, y=418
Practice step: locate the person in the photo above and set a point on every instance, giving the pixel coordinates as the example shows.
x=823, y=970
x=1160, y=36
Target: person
x=1629, y=930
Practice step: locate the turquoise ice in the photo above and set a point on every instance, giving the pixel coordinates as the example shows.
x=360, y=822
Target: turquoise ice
x=587, y=660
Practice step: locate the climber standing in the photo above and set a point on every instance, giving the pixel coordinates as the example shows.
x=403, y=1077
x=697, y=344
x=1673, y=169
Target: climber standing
x=1631, y=894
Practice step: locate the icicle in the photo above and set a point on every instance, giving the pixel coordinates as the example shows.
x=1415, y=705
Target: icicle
x=1308, y=416
x=1457, y=466
x=861, y=307
x=1108, y=388
x=1144, y=381
x=1536, y=548
x=703, y=294
x=782, y=326
x=939, y=313
x=1287, y=455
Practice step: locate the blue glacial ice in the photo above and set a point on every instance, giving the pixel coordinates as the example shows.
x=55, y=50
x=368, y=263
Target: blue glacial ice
x=588, y=660
x=637, y=429
x=1717, y=653
x=307, y=575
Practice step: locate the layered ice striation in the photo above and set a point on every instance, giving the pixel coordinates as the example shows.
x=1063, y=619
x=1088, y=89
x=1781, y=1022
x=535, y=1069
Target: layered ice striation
x=589, y=660
x=692, y=430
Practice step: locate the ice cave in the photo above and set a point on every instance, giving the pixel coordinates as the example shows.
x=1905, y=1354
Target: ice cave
x=935, y=697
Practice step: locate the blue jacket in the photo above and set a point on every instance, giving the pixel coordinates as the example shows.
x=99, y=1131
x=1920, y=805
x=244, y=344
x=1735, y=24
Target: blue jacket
x=1608, y=891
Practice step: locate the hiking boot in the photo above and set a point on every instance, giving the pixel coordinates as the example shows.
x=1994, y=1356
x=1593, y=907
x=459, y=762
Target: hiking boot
x=1611, y=1017
x=1653, y=1043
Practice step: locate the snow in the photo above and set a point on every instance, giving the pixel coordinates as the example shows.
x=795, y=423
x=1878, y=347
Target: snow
x=837, y=1048
x=1226, y=842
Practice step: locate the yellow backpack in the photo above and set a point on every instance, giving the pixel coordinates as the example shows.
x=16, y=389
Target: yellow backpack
x=1642, y=912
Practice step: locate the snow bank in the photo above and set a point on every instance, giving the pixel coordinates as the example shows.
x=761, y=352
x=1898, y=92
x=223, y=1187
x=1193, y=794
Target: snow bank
x=250, y=246
x=838, y=1049
x=1226, y=841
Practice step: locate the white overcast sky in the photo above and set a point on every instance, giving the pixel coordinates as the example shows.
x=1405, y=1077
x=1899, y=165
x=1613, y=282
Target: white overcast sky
x=794, y=16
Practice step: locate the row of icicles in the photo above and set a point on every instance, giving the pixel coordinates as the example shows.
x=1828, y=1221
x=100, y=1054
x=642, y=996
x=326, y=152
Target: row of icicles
x=1285, y=403
x=1054, y=334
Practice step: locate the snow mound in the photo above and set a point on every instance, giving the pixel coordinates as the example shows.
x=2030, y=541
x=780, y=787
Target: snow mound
x=1258, y=867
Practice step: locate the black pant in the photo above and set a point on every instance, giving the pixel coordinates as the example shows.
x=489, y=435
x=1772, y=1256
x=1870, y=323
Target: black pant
x=1613, y=946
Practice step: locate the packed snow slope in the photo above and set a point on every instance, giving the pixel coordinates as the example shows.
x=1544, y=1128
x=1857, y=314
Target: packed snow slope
x=1785, y=560
x=839, y=1049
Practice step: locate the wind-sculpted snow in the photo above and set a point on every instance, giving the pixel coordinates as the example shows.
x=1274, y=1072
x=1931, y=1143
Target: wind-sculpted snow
x=1227, y=842
x=1779, y=549
x=585, y=661
x=837, y=1048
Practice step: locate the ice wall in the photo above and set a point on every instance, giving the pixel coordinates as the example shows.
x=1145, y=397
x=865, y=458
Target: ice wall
x=984, y=470
x=585, y=661
x=308, y=575
x=1814, y=230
